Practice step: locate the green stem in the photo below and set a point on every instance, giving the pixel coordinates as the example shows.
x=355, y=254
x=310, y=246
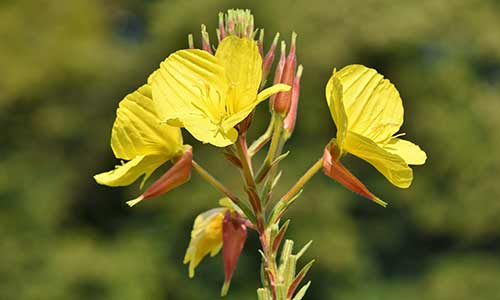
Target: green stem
x=278, y=126
x=263, y=139
x=272, y=173
x=302, y=181
x=246, y=165
x=214, y=182
x=245, y=162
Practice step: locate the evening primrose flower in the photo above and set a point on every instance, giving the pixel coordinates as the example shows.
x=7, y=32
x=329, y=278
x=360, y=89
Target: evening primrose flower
x=368, y=112
x=139, y=137
x=210, y=94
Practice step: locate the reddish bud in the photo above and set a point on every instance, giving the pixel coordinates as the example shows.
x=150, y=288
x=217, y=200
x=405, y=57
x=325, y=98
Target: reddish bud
x=234, y=235
x=250, y=26
x=222, y=30
x=230, y=26
x=279, y=71
x=283, y=100
x=205, y=39
x=289, y=123
x=260, y=42
x=267, y=63
x=177, y=175
x=336, y=170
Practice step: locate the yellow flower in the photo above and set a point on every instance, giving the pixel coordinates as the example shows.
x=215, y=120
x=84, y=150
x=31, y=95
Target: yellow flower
x=210, y=94
x=368, y=111
x=139, y=137
x=206, y=237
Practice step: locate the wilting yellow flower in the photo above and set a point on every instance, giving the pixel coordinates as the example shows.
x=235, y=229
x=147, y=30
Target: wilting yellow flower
x=206, y=237
x=139, y=137
x=210, y=94
x=368, y=111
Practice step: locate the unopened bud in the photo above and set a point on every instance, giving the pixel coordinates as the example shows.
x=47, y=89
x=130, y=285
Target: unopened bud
x=289, y=123
x=230, y=26
x=205, y=39
x=250, y=26
x=177, y=175
x=234, y=235
x=279, y=71
x=267, y=63
x=283, y=100
x=260, y=42
x=222, y=31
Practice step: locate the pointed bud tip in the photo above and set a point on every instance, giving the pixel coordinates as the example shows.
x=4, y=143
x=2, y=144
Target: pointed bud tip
x=300, y=69
x=380, y=201
x=261, y=34
x=133, y=202
x=294, y=38
x=225, y=288
x=276, y=38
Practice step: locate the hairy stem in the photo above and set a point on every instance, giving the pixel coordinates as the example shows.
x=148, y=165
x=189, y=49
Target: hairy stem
x=214, y=182
x=271, y=153
x=263, y=139
x=251, y=187
x=302, y=181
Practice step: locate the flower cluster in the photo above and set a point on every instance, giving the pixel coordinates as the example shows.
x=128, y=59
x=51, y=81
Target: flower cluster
x=212, y=92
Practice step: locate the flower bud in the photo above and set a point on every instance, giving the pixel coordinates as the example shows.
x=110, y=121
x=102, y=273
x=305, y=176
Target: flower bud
x=222, y=30
x=260, y=42
x=205, y=39
x=278, y=72
x=267, y=63
x=177, y=175
x=289, y=123
x=283, y=100
x=336, y=170
x=239, y=22
x=234, y=235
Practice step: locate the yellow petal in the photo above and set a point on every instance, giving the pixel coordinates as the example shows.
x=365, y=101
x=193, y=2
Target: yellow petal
x=266, y=93
x=410, y=152
x=239, y=116
x=138, y=130
x=206, y=237
x=334, y=100
x=243, y=64
x=190, y=91
x=373, y=106
x=392, y=166
x=207, y=132
x=128, y=173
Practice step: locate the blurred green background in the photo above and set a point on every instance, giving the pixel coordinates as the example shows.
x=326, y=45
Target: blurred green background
x=65, y=65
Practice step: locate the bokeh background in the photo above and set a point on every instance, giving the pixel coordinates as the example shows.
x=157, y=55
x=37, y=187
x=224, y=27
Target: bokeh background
x=65, y=65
